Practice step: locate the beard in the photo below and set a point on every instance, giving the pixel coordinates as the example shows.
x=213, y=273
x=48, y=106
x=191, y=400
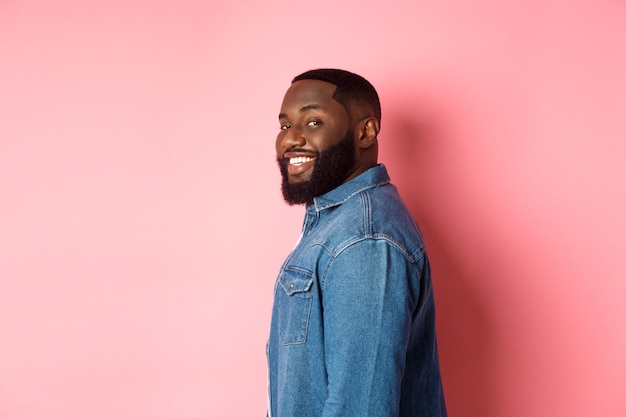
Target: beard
x=330, y=170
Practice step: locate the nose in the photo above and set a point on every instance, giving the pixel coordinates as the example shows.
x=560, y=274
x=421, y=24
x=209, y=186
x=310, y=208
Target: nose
x=291, y=138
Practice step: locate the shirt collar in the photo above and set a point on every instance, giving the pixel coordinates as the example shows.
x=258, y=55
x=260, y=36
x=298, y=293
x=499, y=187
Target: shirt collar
x=373, y=177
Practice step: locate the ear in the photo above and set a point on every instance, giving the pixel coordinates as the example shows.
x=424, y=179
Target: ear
x=367, y=132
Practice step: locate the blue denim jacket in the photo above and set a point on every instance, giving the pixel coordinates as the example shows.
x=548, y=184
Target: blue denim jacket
x=353, y=322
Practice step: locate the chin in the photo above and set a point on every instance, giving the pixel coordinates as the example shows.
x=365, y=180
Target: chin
x=297, y=180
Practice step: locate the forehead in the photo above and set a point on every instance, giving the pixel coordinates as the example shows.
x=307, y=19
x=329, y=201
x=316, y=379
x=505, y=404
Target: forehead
x=305, y=93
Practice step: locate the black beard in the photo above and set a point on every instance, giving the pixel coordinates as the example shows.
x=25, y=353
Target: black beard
x=330, y=170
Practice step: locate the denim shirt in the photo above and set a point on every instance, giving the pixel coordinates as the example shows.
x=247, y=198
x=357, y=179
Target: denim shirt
x=353, y=321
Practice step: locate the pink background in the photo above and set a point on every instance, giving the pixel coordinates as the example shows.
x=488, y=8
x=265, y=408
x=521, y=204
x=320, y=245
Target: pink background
x=141, y=223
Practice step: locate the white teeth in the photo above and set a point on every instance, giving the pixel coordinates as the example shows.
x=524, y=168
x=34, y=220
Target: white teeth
x=299, y=160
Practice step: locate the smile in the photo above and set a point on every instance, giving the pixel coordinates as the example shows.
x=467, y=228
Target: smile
x=299, y=160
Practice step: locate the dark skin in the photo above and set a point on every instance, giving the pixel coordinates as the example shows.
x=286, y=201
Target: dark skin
x=311, y=121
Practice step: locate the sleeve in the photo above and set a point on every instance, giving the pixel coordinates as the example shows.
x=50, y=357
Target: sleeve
x=369, y=295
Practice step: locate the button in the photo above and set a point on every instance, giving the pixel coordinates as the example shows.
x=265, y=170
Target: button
x=292, y=284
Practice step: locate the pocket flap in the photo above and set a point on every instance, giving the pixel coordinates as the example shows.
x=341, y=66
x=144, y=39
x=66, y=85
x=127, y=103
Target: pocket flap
x=295, y=280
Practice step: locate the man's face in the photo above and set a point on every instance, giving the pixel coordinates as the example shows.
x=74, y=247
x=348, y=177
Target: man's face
x=315, y=147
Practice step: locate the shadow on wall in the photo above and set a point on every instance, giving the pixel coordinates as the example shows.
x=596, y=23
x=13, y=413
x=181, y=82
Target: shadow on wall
x=415, y=155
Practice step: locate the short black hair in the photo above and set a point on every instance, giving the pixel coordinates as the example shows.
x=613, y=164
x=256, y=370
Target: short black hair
x=350, y=87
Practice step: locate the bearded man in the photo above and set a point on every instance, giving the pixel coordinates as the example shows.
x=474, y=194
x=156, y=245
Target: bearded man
x=353, y=321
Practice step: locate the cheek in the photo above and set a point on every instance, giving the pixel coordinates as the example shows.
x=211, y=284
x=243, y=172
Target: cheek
x=323, y=142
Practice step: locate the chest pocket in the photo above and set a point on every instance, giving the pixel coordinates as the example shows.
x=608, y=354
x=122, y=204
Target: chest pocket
x=295, y=296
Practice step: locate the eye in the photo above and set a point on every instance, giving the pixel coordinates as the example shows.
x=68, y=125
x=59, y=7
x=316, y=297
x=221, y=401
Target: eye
x=314, y=123
x=285, y=126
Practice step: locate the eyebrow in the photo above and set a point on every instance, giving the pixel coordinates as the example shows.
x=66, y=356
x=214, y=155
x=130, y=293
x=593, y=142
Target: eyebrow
x=306, y=108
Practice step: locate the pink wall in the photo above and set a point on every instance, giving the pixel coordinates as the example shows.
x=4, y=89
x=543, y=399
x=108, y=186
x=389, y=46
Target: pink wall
x=141, y=224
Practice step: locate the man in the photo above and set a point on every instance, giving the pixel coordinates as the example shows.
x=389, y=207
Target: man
x=353, y=322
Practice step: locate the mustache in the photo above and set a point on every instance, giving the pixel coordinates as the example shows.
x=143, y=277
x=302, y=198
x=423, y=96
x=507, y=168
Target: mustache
x=302, y=150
